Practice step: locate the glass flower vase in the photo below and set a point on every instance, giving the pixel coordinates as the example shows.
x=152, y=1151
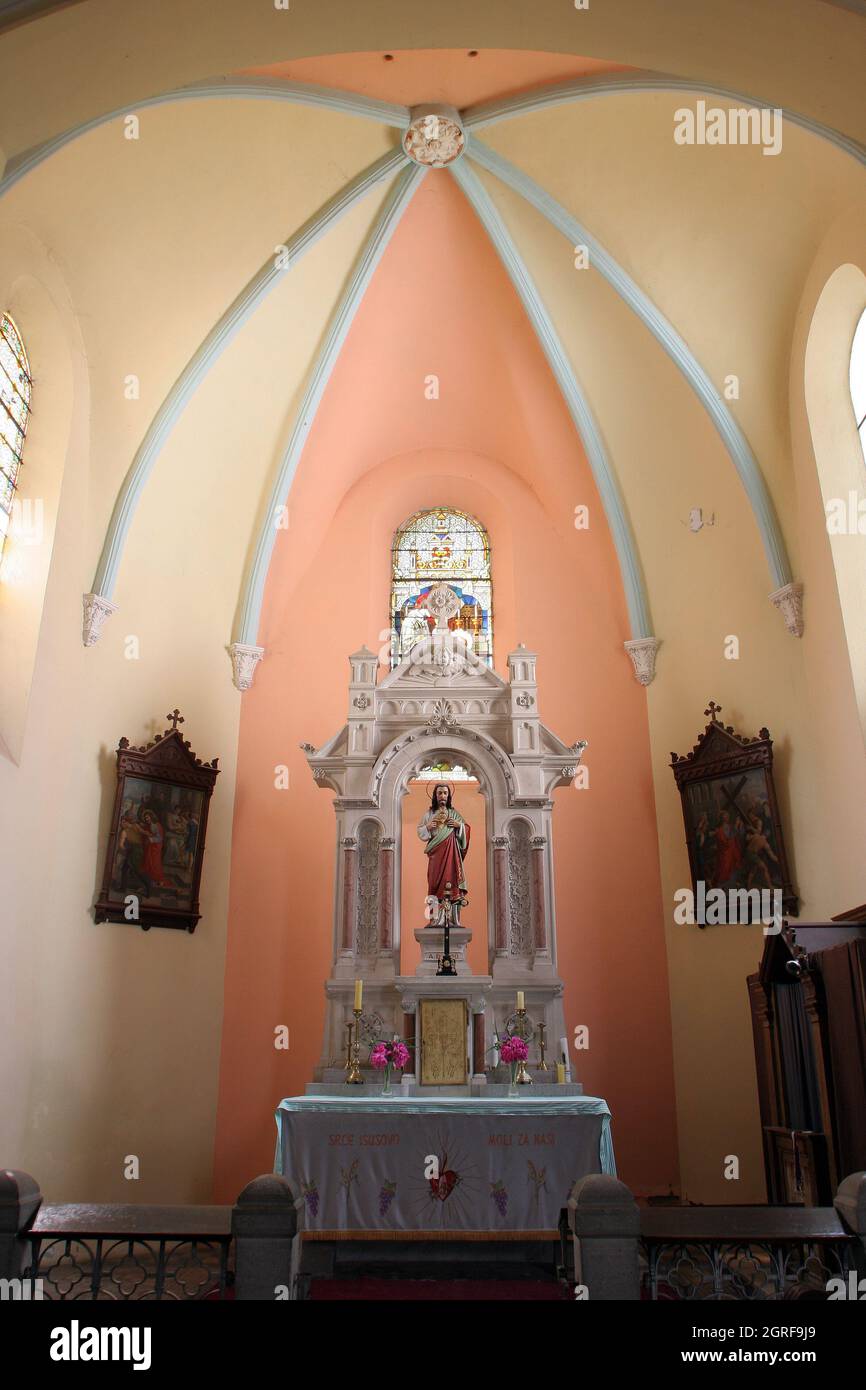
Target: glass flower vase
x=386, y=1083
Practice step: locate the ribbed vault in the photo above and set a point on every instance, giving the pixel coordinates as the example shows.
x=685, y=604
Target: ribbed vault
x=527, y=136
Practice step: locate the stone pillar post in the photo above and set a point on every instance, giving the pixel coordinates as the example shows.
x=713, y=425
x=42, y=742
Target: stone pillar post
x=411, y=1041
x=539, y=916
x=350, y=893
x=386, y=895
x=20, y=1200
x=604, y=1221
x=264, y=1225
x=479, y=1057
x=500, y=894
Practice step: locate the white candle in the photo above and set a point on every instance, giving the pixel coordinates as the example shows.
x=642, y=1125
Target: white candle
x=520, y=1003
x=563, y=1050
x=359, y=993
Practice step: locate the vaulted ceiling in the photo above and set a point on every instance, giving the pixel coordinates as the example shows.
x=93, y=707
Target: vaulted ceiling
x=251, y=140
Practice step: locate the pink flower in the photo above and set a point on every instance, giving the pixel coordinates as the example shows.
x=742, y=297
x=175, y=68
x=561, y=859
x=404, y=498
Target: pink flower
x=379, y=1056
x=513, y=1050
x=400, y=1055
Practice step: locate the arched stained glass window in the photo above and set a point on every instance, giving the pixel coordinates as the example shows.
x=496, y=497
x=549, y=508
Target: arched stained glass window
x=441, y=546
x=15, y=386
x=857, y=379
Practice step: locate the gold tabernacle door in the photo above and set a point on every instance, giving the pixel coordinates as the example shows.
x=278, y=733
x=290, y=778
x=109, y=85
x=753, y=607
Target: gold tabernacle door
x=444, y=1060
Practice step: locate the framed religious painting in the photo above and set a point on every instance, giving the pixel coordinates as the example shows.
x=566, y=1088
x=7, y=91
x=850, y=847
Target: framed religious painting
x=731, y=814
x=153, y=862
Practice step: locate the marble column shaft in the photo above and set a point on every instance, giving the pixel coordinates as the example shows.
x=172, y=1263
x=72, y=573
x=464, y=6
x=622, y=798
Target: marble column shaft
x=500, y=894
x=479, y=1060
x=350, y=893
x=539, y=920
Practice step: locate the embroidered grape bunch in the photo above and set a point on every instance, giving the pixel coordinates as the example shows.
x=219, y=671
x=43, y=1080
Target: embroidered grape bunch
x=387, y=1193
x=311, y=1197
x=499, y=1193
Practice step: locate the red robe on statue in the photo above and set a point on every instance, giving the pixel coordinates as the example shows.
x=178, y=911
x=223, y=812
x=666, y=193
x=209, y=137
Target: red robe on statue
x=446, y=849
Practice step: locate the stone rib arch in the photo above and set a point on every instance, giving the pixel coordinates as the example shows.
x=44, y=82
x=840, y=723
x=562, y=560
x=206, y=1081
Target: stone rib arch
x=250, y=88
x=732, y=436
x=338, y=330
x=614, y=84
x=584, y=420
x=99, y=603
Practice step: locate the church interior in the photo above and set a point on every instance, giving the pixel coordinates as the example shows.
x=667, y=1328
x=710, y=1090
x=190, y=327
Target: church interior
x=433, y=525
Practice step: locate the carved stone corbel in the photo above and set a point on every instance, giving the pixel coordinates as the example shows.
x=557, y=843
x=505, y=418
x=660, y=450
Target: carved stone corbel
x=642, y=651
x=789, y=601
x=245, y=659
x=96, y=610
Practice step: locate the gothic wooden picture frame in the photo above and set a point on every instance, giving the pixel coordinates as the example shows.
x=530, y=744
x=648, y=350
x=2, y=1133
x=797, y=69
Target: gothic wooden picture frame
x=726, y=785
x=155, y=850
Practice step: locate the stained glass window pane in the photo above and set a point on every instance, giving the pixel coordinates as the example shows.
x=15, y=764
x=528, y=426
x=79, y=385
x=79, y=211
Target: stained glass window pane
x=15, y=388
x=444, y=771
x=441, y=546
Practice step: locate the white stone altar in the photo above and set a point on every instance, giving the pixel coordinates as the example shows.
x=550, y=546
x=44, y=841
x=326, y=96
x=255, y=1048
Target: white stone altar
x=442, y=702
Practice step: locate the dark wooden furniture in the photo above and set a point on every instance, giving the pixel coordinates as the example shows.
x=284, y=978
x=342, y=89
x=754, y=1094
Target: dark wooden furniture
x=808, y=1005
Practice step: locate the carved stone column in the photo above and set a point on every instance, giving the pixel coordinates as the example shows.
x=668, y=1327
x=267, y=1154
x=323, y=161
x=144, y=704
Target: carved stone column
x=479, y=1059
x=539, y=918
x=350, y=892
x=386, y=894
x=409, y=1038
x=500, y=894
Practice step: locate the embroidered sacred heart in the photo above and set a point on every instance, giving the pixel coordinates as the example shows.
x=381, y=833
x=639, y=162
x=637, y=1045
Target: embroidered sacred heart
x=442, y=1187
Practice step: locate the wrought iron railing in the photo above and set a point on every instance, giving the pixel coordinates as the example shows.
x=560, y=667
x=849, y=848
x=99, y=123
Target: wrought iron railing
x=757, y=1253
x=131, y=1253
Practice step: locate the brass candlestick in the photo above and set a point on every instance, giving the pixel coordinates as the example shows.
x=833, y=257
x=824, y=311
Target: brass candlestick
x=355, y=1078
x=349, y=1026
x=522, y=1078
x=542, y=1044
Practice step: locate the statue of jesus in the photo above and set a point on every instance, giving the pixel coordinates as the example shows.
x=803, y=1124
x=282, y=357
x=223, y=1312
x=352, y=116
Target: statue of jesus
x=447, y=843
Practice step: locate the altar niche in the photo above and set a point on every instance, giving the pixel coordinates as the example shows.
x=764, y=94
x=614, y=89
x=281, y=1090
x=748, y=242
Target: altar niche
x=442, y=706
x=469, y=800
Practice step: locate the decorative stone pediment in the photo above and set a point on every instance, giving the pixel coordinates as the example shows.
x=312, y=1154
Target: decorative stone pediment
x=443, y=659
x=441, y=698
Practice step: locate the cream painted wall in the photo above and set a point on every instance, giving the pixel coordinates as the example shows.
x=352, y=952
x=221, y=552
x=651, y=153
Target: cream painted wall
x=113, y=1034
x=704, y=587
x=802, y=53
x=109, y=1033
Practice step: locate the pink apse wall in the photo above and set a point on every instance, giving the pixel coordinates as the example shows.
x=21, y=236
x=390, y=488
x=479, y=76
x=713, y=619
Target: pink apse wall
x=499, y=444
